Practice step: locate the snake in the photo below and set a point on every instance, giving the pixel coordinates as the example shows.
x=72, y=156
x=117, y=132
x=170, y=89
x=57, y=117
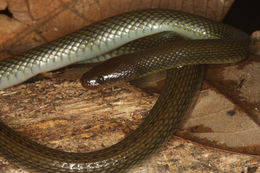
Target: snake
x=203, y=42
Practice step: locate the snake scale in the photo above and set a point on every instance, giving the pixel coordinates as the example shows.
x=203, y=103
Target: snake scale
x=204, y=42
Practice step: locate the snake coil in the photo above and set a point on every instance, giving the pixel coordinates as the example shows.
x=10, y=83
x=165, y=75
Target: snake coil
x=100, y=38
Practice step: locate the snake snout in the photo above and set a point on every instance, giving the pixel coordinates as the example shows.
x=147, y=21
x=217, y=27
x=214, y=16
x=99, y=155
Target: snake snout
x=90, y=82
x=103, y=75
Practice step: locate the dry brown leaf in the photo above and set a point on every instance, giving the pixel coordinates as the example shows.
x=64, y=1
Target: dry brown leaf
x=217, y=122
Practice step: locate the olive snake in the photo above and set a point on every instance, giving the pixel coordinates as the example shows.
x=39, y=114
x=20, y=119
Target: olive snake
x=203, y=39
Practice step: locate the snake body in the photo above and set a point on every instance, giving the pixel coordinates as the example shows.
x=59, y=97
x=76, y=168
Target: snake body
x=180, y=90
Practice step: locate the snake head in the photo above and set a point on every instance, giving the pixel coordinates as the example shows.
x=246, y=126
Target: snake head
x=103, y=75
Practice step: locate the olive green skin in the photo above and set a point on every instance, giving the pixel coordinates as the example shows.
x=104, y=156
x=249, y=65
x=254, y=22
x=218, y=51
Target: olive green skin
x=181, y=87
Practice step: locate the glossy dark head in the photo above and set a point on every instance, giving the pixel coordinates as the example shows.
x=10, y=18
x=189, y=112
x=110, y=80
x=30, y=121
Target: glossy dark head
x=102, y=75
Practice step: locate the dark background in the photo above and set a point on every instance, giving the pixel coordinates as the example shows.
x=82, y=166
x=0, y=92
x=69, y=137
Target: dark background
x=244, y=14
